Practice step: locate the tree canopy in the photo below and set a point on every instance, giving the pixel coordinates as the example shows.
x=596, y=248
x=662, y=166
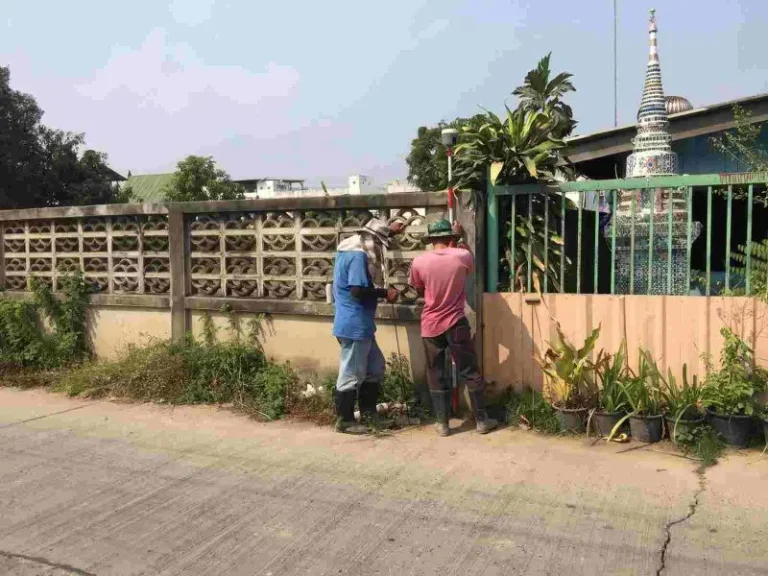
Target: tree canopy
x=197, y=178
x=41, y=166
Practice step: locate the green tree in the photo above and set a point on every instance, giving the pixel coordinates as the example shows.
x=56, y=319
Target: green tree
x=427, y=160
x=40, y=166
x=197, y=178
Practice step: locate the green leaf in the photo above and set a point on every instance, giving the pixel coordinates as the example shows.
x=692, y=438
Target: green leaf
x=530, y=165
x=496, y=169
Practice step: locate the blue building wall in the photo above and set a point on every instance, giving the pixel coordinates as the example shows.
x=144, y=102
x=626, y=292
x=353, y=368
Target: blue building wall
x=698, y=156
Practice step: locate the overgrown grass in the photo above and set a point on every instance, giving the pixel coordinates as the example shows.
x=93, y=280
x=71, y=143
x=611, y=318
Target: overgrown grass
x=190, y=372
x=530, y=409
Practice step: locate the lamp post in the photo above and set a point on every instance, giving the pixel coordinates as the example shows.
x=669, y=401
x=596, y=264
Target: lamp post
x=449, y=136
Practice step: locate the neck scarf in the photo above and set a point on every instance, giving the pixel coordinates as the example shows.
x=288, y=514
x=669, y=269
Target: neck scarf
x=366, y=244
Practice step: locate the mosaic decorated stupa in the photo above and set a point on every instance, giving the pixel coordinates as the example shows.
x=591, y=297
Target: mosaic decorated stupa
x=652, y=156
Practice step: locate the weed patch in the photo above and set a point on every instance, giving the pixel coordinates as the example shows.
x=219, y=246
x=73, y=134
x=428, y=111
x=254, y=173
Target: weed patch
x=531, y=410
x=46, y=332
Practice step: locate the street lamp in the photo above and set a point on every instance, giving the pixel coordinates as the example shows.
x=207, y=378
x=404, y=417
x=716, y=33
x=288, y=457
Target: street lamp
x=449, y=138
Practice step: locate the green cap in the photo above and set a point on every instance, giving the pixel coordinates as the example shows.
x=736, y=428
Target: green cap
x=440, y=229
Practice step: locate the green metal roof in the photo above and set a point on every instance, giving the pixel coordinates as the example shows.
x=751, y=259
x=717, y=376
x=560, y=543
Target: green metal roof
x=148, y=188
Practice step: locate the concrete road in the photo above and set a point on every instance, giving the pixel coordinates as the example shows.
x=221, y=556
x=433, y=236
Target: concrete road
x=103, y=488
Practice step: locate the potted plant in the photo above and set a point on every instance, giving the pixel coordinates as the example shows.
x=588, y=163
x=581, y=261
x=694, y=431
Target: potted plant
x=643, y=393
x=682, y=404
x=730, y=393
x=611, y=399
x=570, y=379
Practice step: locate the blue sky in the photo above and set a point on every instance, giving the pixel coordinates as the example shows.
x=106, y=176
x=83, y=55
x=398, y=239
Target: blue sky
x=322, y=90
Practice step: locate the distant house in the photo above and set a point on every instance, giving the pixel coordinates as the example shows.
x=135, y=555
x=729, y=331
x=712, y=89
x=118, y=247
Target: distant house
x=149, y=188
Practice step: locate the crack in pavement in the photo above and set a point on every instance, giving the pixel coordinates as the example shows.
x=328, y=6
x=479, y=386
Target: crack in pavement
x=692, y=507
x=44, y=562
x=44, y=416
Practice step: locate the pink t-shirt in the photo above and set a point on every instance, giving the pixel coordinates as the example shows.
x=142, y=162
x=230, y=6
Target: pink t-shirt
x=441, y=274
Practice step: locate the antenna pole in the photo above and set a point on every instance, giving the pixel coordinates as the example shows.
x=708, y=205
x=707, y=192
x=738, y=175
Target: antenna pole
x=615, y=71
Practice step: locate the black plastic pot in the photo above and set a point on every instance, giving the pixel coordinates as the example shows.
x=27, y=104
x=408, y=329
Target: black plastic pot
x=684, y=425
x=606, y=421
x=734, y=428
x=571, y=420
x=646, y=428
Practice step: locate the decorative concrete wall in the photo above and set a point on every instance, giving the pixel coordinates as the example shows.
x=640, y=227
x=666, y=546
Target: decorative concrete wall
x=677, y=330
x=156, y=269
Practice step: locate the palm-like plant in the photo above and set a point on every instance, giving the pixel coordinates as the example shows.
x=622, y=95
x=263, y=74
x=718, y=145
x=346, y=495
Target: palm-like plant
x=545, y=94
x=526, y=144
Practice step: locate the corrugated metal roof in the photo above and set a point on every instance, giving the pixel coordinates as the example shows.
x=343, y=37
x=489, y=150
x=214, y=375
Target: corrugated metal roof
x=149, y=188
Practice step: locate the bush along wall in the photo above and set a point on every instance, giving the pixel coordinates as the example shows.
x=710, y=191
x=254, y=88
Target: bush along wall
x=46, y=332
x=43, y=341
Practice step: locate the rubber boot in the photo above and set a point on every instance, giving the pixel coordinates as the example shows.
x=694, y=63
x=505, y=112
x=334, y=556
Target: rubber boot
x=345, y=412
x=441, y=404
x=368, y=397
x=484, y=424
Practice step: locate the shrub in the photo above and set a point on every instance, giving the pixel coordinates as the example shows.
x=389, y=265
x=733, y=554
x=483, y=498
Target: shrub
x=733, y=389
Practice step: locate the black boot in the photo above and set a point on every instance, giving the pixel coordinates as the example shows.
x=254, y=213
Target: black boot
x=484, y=424
x=345, y=412
x=441, y=405
x=368, y=397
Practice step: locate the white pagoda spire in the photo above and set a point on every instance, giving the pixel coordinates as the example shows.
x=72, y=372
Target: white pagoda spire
x=652, y=154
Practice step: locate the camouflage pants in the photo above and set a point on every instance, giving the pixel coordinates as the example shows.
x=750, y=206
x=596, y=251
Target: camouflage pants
x=456, y=342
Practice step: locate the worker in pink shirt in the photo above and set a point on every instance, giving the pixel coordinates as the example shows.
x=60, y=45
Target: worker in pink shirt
x=439, y=276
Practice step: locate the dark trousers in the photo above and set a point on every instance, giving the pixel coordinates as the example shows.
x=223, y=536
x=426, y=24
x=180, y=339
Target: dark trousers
x=456, y=341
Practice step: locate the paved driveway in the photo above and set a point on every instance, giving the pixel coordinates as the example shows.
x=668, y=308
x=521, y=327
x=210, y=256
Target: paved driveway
x=103, y=488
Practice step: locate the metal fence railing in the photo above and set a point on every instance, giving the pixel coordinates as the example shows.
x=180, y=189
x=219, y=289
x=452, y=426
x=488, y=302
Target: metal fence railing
x=682, y=235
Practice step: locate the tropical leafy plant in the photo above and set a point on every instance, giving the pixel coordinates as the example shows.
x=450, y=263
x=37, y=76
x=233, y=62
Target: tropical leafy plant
x=526, y=143
x=546, y=254
x=570, y=372
x=683, y=400
x=515, y=148
x=612, y=372
x=540, y=92
x=733, y=389
x=643, y=388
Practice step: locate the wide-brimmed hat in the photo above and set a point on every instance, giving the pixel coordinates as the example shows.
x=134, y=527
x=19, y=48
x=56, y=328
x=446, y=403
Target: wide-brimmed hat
x=379, y=230
x=440, y=229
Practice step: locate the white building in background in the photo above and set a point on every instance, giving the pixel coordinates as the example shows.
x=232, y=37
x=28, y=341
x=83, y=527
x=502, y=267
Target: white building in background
x=357, y=185
x=397, y=187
